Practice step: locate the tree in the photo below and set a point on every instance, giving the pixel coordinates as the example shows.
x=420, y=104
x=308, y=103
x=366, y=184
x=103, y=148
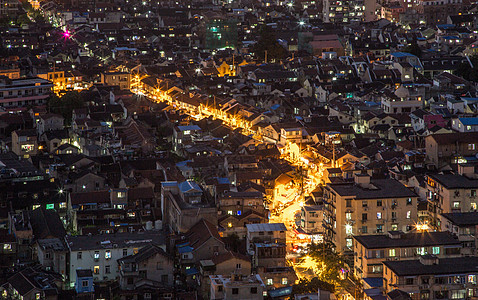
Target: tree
x=413, y=49
x=268, y=42
x=333, y=263
x=66, y=104
x=305, y=286
x=468, y=72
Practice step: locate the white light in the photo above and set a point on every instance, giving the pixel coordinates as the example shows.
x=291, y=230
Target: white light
x=301, y=23
x=198, y=70
x=61, y=191
x=290, y=4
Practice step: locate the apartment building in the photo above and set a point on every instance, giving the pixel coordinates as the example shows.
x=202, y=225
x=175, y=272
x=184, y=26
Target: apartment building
x=450, y=147
x=465, y=226
x=367, y=206
x=267, y=244
x=432, y=278
x=336, y=11
x=449, y=193
x=23, y=92
x=372, y=250
x=25, y=142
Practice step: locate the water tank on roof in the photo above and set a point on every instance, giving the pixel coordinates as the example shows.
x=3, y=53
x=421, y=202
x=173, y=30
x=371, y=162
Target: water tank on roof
x=149, y=225
x=158, y=224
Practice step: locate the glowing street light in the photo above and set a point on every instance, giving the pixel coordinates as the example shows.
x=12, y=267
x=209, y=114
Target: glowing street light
x=301, y=23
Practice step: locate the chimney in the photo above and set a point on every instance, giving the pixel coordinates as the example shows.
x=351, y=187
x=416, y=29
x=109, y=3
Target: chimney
x=362, y=179
x=467, y=170
x=429, y=260
x=395, y=235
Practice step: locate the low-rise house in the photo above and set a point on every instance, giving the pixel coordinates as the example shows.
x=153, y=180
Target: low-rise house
x=237, y=287
x=99, y=253
x=150, y=262
x=25, y=142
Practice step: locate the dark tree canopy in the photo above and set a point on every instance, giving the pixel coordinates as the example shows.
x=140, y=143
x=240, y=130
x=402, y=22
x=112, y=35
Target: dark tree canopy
x=65, y=104
x=268, y=42
x=413, y=49
x=468, y=72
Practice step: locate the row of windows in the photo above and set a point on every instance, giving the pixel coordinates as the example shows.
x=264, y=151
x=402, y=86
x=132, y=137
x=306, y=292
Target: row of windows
x=365, y=203
x=380, y=215
x=79, y=255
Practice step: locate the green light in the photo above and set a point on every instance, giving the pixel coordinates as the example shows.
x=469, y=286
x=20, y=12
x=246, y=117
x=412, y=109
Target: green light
x=214, y=29
x=50, y=206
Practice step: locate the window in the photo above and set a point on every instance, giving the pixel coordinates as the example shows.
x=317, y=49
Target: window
x=164, y=278
x=239, y=212
x=421, y=251
x=458, y=294
x=229, y=212
x=472, y=279
x=96, y=270
x=409, y=281
x=348, y=243
x=125, y=252
x=348, y=216
x=394, y=215
x=235, y=291
x=121, y=194
x=284, y=280
x=409, y=201
x=84, y=283
x=270, y=281
x=409, y=214
x=219, y=288
x=135, y=250
x=348, y=203
x=107, y=269
x=456, y=204
x=394, y=227
x=348, y=229
x=364, y=204
x=379, y=202
x=238, y=266
x=379, y=228
x=108, y=254
x=473, y=193
x=50, y=206
x=253, y=290
x=364, y=217
x=97, y=255
x=78, y=255
x=436, y=250
x=7, y=247
x=379, y=216
x=471, y=146
x=364, y=229
x=391, y=252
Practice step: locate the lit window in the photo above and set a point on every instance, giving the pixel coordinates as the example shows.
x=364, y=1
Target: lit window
x=135, y=250
x=379, y=215
x=436, y=250
x=409, y=214
x=229, y=212
x=50, y=206
x=239, y=212
x=97, y=254
x=229, y=224
x=121, y=194
x=108, y=254
x=62, y=205
x=456, y=204
x=96, y=270
x=270, y=281
x=348, y=243
x=391, y=252
x=348, y=216
x=284, y=280
x=348, y=229
x=7, y=247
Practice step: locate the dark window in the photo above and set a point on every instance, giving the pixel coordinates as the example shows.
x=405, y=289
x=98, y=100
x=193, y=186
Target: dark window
x=253, y=290
x=379, y=202
x=235, y=291
x=409, y=281
x=364, y=217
